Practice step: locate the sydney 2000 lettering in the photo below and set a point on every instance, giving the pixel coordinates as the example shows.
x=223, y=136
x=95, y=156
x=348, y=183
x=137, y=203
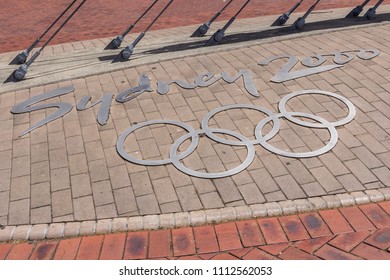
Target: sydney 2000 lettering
x=286, y=73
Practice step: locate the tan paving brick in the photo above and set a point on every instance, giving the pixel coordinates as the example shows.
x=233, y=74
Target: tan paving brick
x=98, y=170
x=84, y=209
x=20, y=188
x=125, y=200
x=40, y=172
x=251, y=194
x=102, y=193
x=21, y=166
x=5, y=180
x=164, y=190
x=62, y=203
x=361, y=171
x=148, y=204
x=326, y=179
x=77, y=164
x=19, y=212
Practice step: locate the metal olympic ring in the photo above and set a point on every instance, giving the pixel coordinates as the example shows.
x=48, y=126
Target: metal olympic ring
x=176, y=158
x=263, y=142
x=288, y=116
x=211, y=135
x=249, y=159
x=121, y=142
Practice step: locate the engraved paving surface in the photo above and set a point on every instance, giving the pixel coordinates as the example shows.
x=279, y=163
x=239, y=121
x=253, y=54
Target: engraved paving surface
x=69, y=170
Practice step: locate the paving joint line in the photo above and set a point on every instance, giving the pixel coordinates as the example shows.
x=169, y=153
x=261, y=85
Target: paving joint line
x=40, y=232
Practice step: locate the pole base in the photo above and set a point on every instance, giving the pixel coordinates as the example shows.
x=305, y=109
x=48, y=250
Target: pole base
x=216, y=38
x=201, y=31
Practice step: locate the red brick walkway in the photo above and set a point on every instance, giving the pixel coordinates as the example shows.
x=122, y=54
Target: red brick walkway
x=27, y=19
x=348, y=233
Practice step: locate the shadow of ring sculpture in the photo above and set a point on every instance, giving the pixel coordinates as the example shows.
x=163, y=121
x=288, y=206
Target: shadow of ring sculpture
x=175, y=157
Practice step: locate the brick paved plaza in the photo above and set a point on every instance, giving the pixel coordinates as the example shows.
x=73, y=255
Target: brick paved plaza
x=66, y=179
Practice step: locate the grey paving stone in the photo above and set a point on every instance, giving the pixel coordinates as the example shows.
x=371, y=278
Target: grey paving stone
x=346, y=199
x=98, y=170
x=141, y=183
x=273, y=209
x=135, y=223
x=369, y=159
x=362, y=173
x=251, y=194
x=40, y=172
x=318, y=203
x=77, y=164
x=102, y=193
x=21, y=232
x=211, y=200
x=119, y=224
x=171, y=207
x=203, y=185
x=104, y=226
x=19, y=212
x=21, y=167
x=361, y=198
x=4, y=203
x=41, y=215
x=326, y=179
x=243, y=212
x=275, y=196
x=167, y=221
x=290, y=187
x=383, y=173
x=303, y=205
x=264, y=181
x=332, y=201
x=350, y=183
x=188, y=198
x=72, y=229
x=38, y=232
x=81, y=185
x=40, y=195
x=151, y=222
x=58, y=158
x=148, y=205
x=288, y=207
x=198, y=218
x=84, y=208
x=300, y=173
x=375, y=195
x=5, y=180
x=59, y=179
x=125, y=200
x=119, y=177
x=62, y=203
x=213, y=216
x=227, y=190
x=106, y=211
x=87, y=228
x=55, y=231
x=182, y=219
x=164, y=190
x=6, y=233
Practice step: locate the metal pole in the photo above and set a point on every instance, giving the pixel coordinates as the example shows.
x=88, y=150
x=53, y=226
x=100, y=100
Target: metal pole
x=22, y=57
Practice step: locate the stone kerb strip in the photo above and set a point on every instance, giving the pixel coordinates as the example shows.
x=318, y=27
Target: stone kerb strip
x=185, y=219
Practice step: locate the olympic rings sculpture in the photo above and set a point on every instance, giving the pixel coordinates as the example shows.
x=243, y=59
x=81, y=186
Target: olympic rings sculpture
x=175, y=158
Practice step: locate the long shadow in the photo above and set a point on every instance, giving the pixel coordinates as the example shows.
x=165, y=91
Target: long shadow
x=275, y=32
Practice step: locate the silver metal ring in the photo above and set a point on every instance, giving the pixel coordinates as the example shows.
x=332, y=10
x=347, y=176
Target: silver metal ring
x=325, y=124
x=211, y=135
x=289, y=115
x=249, y=159
x=122, y=138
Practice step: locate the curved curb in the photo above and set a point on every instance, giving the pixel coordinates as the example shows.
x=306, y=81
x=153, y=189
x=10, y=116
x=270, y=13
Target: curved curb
x=185, y=219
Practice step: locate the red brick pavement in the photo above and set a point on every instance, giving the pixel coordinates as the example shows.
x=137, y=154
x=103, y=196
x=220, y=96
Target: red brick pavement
x=22, y=21
x=328, y=234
